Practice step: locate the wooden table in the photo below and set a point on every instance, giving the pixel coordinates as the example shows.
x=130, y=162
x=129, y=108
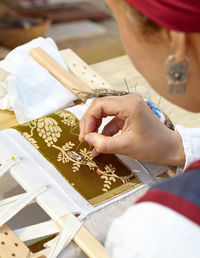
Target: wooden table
x=114, y=71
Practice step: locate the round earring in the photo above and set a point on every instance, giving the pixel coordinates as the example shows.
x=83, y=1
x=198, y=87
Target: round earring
x=177, y=73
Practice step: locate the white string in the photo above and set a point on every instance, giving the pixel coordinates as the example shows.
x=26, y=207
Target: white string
x=9, y=200
x=75, y=134
x=10, y=210
x=4, y=168
x=69, y=230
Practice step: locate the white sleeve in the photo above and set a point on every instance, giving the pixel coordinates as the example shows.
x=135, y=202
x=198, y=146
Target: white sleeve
x=150, y=230
x=191, y=144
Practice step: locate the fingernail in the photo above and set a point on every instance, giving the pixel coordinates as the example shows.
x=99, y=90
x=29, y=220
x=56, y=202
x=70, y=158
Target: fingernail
x=81, y=138
x=88, y=138
x=95, y=153
x=87, y=129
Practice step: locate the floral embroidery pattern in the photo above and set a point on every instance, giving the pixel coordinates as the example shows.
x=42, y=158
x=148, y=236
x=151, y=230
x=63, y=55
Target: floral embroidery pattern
x=56, y=137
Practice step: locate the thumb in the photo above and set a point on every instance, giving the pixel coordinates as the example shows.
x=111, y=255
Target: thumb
x=105, y=144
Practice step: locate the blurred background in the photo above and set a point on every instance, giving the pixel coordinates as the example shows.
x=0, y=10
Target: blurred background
x=85, y=26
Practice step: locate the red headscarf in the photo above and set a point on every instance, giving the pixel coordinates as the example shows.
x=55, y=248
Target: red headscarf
x=180, y=15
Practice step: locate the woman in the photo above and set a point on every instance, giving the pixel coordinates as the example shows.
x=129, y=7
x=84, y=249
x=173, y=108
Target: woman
x=163, y=41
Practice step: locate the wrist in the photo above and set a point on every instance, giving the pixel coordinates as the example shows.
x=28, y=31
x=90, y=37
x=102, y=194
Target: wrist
x=176, y=155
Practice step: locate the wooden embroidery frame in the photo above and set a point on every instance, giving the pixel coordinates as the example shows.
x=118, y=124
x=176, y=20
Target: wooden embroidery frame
x=83, y=78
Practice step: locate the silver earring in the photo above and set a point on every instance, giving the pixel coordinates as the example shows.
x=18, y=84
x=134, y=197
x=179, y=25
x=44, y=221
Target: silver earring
x=177, y=73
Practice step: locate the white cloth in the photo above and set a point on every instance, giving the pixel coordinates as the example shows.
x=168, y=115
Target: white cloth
x=191, y=144
x=28, y=88
x=9, y=210
x=150, y=230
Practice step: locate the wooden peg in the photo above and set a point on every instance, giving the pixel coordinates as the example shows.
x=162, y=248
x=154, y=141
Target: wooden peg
x=58, y=71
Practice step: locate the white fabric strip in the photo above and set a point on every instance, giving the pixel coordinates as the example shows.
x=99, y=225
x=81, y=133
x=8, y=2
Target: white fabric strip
x=37, y=231
x=6, y=213
x=8, y=201
x=142, y=173
x=69, y=230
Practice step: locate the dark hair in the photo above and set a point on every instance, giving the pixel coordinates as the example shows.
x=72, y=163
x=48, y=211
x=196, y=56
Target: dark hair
x=144, y=22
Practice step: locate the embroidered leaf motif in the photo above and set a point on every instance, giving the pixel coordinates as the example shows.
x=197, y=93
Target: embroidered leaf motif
x=62, y=158
x=30, y=139
x=107, y=186
x=75, y=167
x=67, y=146
x=104, y=177
x=111, y=178
x=108, y=182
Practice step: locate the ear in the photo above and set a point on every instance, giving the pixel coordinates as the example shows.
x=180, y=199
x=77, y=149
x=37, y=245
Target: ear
x=178, y=44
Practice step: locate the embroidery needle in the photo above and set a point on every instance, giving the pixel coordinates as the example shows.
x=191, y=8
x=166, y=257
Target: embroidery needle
x=77, y=148
x=75, y=134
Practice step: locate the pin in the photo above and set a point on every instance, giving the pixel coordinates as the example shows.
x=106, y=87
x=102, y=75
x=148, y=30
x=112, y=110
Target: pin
x=148, y=95
x=159, y=101
x=75, y=152
x=125, y=81
x=135, y=86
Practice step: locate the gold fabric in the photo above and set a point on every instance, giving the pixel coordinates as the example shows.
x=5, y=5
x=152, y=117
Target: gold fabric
x=96, y=179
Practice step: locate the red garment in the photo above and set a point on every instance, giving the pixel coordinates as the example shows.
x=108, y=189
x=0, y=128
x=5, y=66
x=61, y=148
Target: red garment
x=179, y=15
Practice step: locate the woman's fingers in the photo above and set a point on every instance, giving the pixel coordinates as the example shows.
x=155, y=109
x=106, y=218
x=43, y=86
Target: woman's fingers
x=143, y=136
x=106, y=144
x=95, y=153
x=87, y=125
x=113, y=127
x=108, y=106
x=110, y=129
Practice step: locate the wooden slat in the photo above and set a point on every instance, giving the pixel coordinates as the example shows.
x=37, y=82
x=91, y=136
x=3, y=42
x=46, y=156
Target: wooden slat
x=83, y=71
x=86, y=241
x=58, y=71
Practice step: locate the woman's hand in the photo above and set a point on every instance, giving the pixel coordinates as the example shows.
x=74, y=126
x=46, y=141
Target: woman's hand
x=142, y=135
